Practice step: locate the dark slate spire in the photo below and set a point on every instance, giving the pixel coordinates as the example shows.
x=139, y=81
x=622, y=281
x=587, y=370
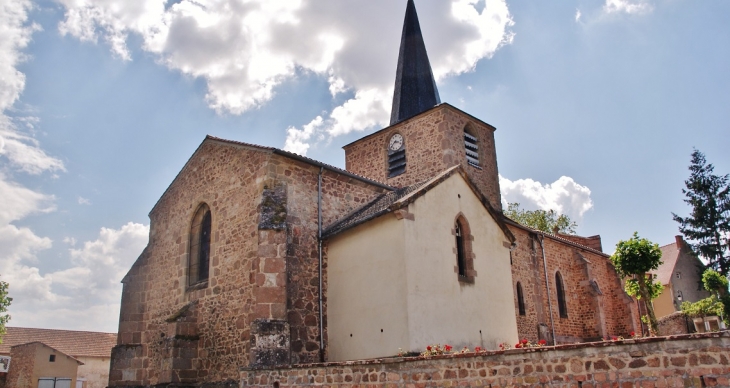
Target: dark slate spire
x=415, y=87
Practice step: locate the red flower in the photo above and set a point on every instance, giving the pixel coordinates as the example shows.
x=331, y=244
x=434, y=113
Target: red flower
x=633, y=334
x=447, y=348
x=478, y=349
x=525, y=341
x=542, y=342
x=614, y=338
x=519, y=345
x=428, y=348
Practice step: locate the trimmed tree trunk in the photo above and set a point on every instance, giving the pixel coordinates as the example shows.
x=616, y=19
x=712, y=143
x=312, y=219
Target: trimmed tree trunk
x=644, y=292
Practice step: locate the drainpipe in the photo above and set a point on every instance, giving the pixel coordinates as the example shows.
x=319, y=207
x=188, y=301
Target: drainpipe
x=319, y=238
x=547, y=285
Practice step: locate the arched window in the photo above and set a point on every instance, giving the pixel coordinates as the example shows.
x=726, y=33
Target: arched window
x=560, y=287
x=471, y=148
x=520, y=299
x=199, y=257
x=464, y=256
x=460, y=254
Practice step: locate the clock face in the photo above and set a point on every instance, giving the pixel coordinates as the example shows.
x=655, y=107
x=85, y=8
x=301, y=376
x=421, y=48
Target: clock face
x=396, y=142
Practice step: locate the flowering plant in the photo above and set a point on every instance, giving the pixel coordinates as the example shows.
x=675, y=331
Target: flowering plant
x=525, y=343
x=504, y=346
x=436, y=350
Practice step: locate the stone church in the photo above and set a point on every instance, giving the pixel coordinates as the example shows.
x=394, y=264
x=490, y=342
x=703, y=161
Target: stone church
x=262, y=257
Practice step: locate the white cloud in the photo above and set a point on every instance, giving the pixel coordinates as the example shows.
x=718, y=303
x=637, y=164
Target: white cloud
x=244, y=49
x=577, y=15
x=564, y=195
x=84, y=201
x=632, y=7
x=90, y=288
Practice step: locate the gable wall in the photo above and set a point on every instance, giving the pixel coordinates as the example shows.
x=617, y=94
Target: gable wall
x=169, y=333
x=434, y=141
x=229, y=179
x=442, y=307
x=590, y=316
x=690, y=283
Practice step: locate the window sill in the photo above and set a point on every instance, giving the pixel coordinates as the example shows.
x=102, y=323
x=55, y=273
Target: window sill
x=198, y=286
x=466, y=279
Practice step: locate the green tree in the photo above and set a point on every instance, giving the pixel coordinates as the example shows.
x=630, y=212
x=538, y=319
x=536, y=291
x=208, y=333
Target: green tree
x=4, y=303
x=546, y=221
x=708, y=225
x=633, y=260
x=714, y=282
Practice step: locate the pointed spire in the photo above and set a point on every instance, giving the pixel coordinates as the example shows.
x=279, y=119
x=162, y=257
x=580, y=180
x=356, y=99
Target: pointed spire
x=415, y=87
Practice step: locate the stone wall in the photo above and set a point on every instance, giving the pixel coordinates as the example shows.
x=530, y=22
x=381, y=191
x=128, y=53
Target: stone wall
x=263, y=267
x=434, y=141
x=673, y=324
x=22, y=365
x=684, y=361
x=596, y=304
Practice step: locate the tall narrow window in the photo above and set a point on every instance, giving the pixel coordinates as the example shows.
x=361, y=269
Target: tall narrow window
x=472, y=149
x=560, y=287
x=460, y=254
x=520, y=299
x=199, y=261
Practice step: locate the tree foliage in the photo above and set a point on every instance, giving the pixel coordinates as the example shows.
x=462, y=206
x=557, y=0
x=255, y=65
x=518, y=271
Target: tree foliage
x=4, y=304
x=546, y=221
x=708, y=225
x=714, y=282
x=703, y=308
x=633, y=260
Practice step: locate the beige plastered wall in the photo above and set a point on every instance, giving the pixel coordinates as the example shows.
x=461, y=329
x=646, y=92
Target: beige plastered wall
x=64, y=366
x=664, y=303
x=367, y=291
x=398, y=276
x=440, y=307
x=95, y=372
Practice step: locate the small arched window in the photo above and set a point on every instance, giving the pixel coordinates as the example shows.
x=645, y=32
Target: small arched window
x=199, y=257
x=460, y=254
x=520, y=299
x=560, y=287
x=471, y=148
x=464, y=256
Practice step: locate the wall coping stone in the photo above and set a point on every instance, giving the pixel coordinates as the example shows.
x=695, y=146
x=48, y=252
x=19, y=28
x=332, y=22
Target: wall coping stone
x=543, y=349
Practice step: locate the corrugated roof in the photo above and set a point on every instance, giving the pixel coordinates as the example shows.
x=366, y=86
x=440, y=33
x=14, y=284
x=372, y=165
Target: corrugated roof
x=73, y=343
x=670, y=254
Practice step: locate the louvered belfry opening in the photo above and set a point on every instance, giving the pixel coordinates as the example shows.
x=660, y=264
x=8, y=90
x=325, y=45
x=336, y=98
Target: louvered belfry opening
x=396, y=162
x=472, y=149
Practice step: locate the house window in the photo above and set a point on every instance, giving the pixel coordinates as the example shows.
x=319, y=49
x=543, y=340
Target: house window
x=520, y=299
x=472, y=149
x=396, y=156
x=679, y=275
x=464, y=256
x=199, y=262
x=52, y=358
x=562, y=307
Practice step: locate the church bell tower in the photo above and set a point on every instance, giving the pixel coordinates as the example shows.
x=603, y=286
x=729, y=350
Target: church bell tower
x=425, y=136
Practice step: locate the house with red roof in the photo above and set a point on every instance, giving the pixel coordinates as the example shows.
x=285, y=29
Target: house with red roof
x=681, y=275
x=90, y=350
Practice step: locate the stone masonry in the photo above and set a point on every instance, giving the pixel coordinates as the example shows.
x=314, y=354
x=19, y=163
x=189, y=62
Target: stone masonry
x=682, y=361
x=434, y=141
x=263, y=267
x=597, y=306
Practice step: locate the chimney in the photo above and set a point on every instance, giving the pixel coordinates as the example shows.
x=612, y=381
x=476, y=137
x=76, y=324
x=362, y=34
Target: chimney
x=680, y=241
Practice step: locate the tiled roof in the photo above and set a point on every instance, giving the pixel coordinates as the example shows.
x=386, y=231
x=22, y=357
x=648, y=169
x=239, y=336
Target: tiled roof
x=73, y=343
x=377, y=207
x=670, y=254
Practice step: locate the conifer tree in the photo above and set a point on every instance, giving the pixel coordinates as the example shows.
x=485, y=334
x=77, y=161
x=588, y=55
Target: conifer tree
x=708, y=225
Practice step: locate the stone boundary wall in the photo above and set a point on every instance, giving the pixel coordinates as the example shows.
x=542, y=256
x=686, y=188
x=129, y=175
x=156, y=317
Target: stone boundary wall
x=697, y=360
x=674, y=324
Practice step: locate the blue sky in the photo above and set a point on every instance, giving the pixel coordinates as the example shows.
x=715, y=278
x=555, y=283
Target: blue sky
x=598, y=105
